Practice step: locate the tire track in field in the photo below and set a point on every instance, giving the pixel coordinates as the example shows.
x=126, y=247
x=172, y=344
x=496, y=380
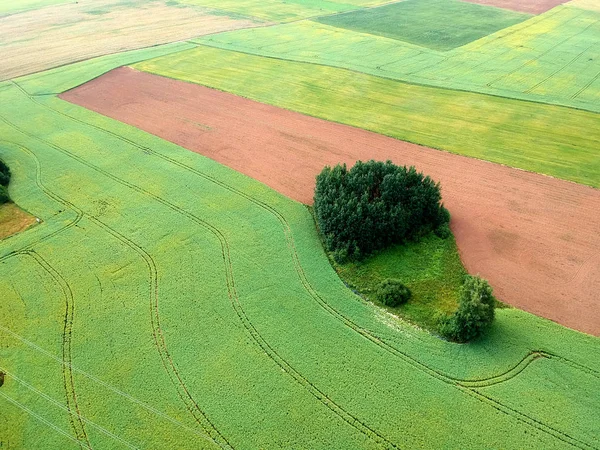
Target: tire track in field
x=322, y=397
x=75, y=418
x=159, y=340
x=457, y=383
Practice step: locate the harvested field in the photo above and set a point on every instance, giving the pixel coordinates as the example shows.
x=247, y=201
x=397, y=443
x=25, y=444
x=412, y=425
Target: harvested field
x=535, y=238
x=529, y=6
x=56, y=35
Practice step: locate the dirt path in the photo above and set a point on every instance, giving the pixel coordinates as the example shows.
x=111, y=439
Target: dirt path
x=535, y=238
x=527, y=6
x=36, y=40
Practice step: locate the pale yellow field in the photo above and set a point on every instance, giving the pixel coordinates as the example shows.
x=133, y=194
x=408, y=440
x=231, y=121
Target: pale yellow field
x=37, y=40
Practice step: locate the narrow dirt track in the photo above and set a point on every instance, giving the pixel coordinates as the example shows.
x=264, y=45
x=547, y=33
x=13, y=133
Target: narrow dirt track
x=526, y=6
x=535, y=238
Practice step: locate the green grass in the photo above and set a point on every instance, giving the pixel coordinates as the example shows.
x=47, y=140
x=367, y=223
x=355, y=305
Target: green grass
x=552, y=58
x=431, y=268
x=283, y=10
x=541, y=138
x=15, y=6
x=179, y=279
x=437, y=24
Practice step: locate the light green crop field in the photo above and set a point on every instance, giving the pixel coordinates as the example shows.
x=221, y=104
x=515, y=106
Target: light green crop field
x=283, y=10
x=552, y=58
x=14, y=6
x=437, y=24
x=165, y=291
x=552, y=140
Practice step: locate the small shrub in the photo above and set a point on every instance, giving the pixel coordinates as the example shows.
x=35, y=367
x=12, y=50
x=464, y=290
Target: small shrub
x=443, y=231
x=393, y=292
x=475, y=312
x=4, y=197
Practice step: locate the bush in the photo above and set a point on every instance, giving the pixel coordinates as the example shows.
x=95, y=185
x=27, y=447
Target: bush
x=475, y=312
x=4, y=174
x=4, y=198
x=393, y=292
x=375, y=205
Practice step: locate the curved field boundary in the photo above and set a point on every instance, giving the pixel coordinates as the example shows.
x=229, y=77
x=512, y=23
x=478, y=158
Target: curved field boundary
x=465, y=386
x=259, y=340
x=537, y=237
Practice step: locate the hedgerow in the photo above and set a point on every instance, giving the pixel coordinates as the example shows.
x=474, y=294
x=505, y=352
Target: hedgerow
x=375, y=205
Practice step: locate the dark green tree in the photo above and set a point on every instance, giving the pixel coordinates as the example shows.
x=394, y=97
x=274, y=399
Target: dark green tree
x=393, y=292
x=374, y=205
x=475, y=312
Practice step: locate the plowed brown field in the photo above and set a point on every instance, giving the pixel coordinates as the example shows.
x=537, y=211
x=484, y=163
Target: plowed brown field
x=41, y=39
x=535, y=238
x=527, y=6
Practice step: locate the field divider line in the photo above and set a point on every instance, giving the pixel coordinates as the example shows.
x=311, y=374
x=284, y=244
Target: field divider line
x=439, y=375
x=154, y=282
x=41, y=419
x=319, y=395
x=59, y=405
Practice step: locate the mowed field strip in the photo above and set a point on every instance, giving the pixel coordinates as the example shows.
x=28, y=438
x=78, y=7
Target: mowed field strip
x=198, y=304
x=552, y=58
x=44, y=38
x=537, y=242
x=547, y=139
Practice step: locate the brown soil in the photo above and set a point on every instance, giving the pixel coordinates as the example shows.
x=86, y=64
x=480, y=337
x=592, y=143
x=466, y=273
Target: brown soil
x=13, y=220
x=37, y=40
x=535, y=238
x=526, y=6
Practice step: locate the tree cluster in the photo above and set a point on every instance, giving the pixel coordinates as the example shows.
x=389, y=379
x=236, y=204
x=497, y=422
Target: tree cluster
x=475, y=312
x=375, y=205
x=4, y=180
x=393, y=292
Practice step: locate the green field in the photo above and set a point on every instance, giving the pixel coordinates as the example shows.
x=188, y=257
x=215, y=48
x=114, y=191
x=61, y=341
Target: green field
x=437, y=24
x=165, y=290
x=486, y=127
x=283, y=10
x=552, y=58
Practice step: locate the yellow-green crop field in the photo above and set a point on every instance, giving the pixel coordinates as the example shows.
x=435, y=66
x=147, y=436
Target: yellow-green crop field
x=167, y=301
x=551, y=58
x=548, y=139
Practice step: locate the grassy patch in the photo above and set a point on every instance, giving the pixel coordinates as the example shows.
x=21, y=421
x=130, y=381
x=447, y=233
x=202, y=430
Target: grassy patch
x=431, y=268
x=13, y=220
x=437, y=24
x=546, y=139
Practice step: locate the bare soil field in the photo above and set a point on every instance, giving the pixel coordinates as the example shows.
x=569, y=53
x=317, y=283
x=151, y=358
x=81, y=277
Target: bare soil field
x=38, y=40
x=528, y=6
x=535, y=238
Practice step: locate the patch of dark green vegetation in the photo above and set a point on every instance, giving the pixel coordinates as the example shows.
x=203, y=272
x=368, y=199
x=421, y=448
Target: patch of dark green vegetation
x=387, y=236
x=437, y=24
x=4, y=181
